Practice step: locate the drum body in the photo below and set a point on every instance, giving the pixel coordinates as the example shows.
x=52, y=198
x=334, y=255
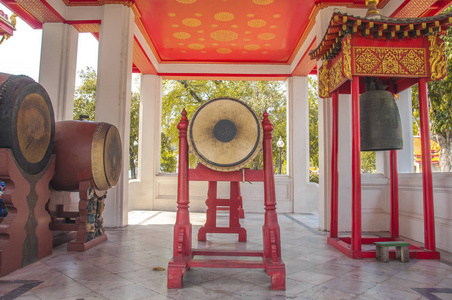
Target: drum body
x=225, y=134
x=86, y=151
x=27, y=122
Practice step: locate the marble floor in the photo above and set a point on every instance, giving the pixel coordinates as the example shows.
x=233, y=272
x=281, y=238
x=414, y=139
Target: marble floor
x=132, y=265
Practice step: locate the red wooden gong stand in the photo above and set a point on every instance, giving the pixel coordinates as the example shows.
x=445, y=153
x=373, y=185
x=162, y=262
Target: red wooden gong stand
x=183, y=253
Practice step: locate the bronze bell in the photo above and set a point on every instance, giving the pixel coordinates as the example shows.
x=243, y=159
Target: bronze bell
x=381, y=128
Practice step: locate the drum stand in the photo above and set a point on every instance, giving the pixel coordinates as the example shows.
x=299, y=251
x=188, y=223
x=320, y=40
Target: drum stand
x=183, y=254
x=87, y=223
x=24, y=232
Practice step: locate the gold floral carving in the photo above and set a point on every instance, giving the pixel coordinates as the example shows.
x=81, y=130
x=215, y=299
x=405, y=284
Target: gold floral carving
x=346, y=50
x=381, y=61
x=324, y=81
x=437, y=59
x=336, y=77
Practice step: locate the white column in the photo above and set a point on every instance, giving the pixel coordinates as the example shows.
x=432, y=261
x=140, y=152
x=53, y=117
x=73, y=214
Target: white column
x=141, y=190
x=305, y=194
x=113, y=96
x=57, y=68
x=405, y=157
x=322, y=22
x=344, y=164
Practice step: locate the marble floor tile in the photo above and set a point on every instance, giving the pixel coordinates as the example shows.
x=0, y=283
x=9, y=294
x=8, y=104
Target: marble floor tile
x=132, y=264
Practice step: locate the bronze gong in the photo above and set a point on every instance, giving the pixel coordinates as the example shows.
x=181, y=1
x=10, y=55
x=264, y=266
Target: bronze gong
x=225, y=134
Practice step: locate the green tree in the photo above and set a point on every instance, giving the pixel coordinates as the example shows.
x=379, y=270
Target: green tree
x=85, y=95
x=190, y=94
x=440, y=109
x=85, y=104
x=313, y=92
x=134, y=130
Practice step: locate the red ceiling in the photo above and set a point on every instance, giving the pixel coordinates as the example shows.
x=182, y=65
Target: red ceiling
x=218, y=31
x=224, y=31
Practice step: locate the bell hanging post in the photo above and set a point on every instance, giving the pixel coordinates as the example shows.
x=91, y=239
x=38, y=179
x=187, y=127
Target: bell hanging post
x=381, y=127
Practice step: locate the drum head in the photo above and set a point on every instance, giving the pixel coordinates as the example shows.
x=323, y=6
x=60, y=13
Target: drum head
x=225, y=134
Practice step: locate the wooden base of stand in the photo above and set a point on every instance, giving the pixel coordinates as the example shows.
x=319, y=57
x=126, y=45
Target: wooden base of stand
x=24, y=232
x=79, y=246
x=85, y=225
x=64, y=238
x=343, y=244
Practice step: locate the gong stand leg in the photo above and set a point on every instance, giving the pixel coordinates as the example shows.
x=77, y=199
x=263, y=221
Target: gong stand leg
x=182, y=247
x=427, y=184
x=211, y=212
x=334, y=172
x=394, y=195
x=356, y=168
x=271, y=231
x=234, y=211
x=241, y=210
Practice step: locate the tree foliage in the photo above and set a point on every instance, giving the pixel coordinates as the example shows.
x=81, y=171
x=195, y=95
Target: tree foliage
x=190, y=94
x=440, y=109
x=85, y=104
x=85, y=95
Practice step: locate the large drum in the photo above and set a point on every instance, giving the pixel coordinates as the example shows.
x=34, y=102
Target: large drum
x=86, y=151
x=27, y=122
x=225, y=134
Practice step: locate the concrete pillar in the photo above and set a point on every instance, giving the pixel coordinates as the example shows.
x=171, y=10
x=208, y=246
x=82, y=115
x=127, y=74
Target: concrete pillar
x=322, y=22
x=141, y=190
x=305, y=194
x=57, y=68
x=405, y=157
x=113, y=96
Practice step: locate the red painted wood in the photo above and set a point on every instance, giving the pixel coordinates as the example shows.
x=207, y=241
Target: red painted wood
x=232, y=205
x=429, y=215
x=394, y=194
x=343, y=245
x=223, y=263
x=334, y=169
x=202, y=173
x=217, y=252
x=356, y=167
x=183, y=254
x=25, y=196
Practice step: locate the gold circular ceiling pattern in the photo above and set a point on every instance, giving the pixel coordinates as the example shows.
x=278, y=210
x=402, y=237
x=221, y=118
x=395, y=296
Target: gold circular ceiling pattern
x=257, y=23
x=171, y=15
x=266, y=36
x=181, y=35
x=191, y=22
x=224, y=50
x=224, y=35
x=196, y=46
x=223, y=16
x=186, y=1
x=252, y=47
x=263, y=2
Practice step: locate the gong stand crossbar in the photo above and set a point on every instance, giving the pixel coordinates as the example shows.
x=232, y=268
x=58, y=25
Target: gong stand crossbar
x=355, y=48
x=183, y=253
